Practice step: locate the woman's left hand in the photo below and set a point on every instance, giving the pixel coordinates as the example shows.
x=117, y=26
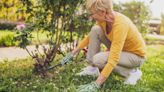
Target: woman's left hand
x=91, y=87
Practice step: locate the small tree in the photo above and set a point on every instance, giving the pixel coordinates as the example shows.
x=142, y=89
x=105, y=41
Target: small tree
x=59, y=18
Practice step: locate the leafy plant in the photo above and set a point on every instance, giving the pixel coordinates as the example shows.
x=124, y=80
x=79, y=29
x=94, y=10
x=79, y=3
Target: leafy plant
x=7, y=40
x=58, y=18
x=10, y=10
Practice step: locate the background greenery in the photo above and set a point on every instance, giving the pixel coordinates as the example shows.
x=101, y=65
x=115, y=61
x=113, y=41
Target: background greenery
x=60, y=18
x=7, y=38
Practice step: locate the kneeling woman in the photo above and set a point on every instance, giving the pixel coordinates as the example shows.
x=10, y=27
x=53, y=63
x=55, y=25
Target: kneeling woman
x=122, y=38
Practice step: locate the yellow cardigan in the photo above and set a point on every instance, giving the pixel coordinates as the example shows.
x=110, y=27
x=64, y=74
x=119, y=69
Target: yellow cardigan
x=124, y=37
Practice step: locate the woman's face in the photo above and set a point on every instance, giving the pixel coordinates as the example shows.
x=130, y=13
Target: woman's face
x=98, y=15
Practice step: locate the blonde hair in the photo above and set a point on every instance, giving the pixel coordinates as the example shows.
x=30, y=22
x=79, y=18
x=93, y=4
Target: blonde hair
x=100, y=5
x=103, y=5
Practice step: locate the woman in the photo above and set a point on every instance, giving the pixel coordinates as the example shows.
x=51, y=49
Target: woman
x=122, y=38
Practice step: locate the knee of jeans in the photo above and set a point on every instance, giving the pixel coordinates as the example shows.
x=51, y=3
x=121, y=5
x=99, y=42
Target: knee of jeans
x=97, y=61
x=96, y=29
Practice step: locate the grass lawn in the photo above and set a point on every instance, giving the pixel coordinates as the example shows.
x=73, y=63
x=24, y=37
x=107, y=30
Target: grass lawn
x=17, y=76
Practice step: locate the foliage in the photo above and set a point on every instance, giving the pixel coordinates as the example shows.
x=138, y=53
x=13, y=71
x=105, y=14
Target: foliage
x=57, y=17
x=7, y=39
x=10, y=10
x=17, y=76
x=137, y=11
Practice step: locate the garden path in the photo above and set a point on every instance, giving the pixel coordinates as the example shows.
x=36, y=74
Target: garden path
x=13, y=53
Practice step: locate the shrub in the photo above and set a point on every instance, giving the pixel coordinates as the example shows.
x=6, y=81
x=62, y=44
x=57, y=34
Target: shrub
x=58, y=17
x=7, y=40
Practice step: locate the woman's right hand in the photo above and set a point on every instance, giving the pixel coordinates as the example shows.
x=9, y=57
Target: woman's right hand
x=70, y=55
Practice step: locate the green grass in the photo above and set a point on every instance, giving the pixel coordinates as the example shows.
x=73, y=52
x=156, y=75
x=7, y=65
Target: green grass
x=17, y=76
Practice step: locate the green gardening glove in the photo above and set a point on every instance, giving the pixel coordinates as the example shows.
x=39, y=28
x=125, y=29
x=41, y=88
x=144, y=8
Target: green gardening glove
x=67, y=58
x=91, y=87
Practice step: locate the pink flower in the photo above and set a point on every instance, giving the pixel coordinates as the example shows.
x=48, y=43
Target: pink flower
x=20, y=26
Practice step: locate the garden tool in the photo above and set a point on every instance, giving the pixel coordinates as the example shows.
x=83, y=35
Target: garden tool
x=64, y=61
